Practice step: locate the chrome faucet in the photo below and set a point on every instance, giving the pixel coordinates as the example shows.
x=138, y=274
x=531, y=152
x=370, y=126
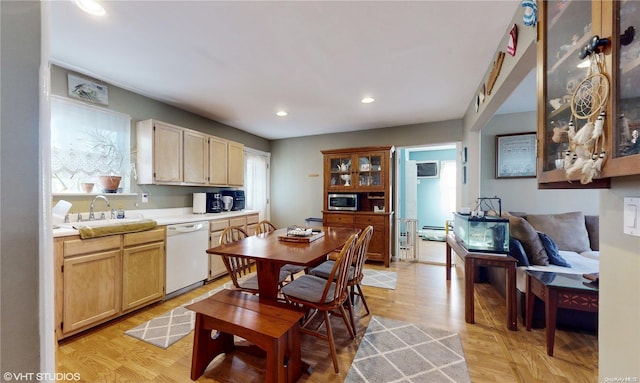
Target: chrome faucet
x=91, y=215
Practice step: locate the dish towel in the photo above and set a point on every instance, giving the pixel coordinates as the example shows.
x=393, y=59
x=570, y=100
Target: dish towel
x=102, y=231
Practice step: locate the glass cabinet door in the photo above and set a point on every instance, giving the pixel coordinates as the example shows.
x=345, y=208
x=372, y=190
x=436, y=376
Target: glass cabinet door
x=626, y=136
x=370, y=170
x=341, y=172
x=567, y=28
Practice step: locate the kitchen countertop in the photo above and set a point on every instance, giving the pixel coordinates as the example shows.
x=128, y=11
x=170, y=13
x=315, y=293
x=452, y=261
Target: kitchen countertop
x=163, y=217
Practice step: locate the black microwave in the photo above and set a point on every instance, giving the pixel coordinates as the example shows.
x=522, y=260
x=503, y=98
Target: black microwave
x=343, y=201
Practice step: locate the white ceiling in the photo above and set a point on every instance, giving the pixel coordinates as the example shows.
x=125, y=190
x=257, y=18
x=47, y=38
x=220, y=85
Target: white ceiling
x=238, y=62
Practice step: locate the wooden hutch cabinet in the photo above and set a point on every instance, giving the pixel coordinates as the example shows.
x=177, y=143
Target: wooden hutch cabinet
x=365, y=172
x=565, y=28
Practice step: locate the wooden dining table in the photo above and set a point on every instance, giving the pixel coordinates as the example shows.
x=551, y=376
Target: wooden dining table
x=270, y=253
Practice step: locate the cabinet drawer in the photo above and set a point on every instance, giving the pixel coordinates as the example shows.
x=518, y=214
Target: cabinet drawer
x=82, y=246
x=253, y=218
x=374, y=220
x=338, y=219
x=218, y=225
x=155, y=235
x=241, y=221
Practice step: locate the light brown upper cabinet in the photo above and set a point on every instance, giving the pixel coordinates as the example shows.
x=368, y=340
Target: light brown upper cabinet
x=171, y=155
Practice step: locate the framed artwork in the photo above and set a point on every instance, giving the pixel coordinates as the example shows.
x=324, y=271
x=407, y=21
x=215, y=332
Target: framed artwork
x=87, y=90
x=516, y=155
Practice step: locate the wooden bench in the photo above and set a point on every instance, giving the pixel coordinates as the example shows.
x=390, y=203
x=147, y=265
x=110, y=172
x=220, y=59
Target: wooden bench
x=272, y=328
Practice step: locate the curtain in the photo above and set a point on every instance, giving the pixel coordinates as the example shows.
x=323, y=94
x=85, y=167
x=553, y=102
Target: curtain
x=256, y=181
x=87, y=141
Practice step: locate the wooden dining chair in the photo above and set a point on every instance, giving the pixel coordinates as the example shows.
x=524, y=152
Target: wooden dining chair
x=325, y=296
x=355, y=272
x=240, y=269
x=266, y=226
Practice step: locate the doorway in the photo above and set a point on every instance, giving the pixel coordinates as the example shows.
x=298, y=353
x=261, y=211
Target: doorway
x=427, y=197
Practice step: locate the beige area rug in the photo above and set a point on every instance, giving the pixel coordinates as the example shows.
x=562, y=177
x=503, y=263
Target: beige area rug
x=380, y=278
x=170, y=327
x=396, y=351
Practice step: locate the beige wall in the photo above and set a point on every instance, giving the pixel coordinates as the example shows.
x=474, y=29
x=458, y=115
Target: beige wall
x=619, y=312
x=141, y=108
x=296, y=163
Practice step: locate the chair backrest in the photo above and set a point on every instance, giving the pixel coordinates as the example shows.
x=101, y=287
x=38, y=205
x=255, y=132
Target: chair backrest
x=264, y=227
x=237, y=267
x=340, y=274
x=360, y=256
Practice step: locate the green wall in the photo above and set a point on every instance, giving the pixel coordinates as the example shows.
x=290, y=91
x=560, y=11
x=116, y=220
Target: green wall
x=141, y=108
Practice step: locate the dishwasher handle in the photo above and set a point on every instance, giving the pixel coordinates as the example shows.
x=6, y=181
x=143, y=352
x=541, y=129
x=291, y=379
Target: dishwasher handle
x=185, y=228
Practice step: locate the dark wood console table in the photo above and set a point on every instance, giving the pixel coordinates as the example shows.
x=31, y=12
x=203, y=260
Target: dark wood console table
x=473, y=259
x=558, y=290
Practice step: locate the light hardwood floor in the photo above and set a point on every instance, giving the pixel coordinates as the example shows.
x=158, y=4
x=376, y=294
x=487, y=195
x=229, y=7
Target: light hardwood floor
x=493, y=353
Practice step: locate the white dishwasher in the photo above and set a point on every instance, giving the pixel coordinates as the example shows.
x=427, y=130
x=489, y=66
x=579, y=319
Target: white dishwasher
x=187, y=260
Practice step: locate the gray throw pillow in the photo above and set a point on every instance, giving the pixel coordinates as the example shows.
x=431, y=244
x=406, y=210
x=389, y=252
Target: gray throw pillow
x=568, y=230
x=521, y=230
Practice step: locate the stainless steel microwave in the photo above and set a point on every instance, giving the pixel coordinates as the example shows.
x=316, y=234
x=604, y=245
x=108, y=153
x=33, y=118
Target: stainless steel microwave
x=343, y=201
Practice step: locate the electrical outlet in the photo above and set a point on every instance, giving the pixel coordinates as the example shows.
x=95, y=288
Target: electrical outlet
x=145, y=197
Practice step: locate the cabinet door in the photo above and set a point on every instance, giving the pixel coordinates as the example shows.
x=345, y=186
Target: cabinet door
x=565, y=28
x=380, y=234
x=371, y=169
x=143, y=274
x=216, y=266
x=339, y=169
x=235, y=164
x=217, y=161
x=626, y=124
x=92, y=289
x=196, y=158
x=167, y=153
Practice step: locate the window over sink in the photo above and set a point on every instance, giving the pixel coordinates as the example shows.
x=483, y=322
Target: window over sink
x=88, y=142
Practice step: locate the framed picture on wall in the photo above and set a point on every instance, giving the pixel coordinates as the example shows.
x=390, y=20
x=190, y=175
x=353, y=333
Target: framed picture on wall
x=516, y=155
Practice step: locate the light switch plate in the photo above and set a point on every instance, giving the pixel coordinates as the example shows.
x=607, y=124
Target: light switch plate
x=632, y=216
x=145, y=197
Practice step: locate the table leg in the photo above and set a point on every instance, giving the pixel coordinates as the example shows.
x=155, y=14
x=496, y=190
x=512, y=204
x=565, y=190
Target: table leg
x=448, y=260
x=511, y=298
x=268, y=278
x=206, y=348
x=530, y=297
x=551, y=308
x=469, y=267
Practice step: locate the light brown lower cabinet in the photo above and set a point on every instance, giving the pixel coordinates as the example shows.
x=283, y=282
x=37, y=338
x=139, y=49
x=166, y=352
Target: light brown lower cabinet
x=102, y=278
x=247, y=222
x=380, y=245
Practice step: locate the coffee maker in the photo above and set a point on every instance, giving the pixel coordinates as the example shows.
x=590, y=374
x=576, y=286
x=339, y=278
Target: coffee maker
x=214, y=203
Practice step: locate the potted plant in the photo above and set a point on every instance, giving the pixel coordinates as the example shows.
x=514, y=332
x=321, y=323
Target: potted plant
x=110, y=158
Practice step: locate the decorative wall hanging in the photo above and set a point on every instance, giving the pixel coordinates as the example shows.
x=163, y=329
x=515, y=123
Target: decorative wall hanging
x=530, y=17
x=513, y=40
x=495, y=71
x=87, y=90
x=516, y=155
x=586, y=153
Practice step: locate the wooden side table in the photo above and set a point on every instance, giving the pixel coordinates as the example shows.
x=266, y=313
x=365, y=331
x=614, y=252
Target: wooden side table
x=558, y=290
x=473, y=259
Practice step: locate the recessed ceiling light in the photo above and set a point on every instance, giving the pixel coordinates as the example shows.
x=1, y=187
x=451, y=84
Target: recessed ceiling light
x=282, y=113
x=92, y=7
x=367, y=100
